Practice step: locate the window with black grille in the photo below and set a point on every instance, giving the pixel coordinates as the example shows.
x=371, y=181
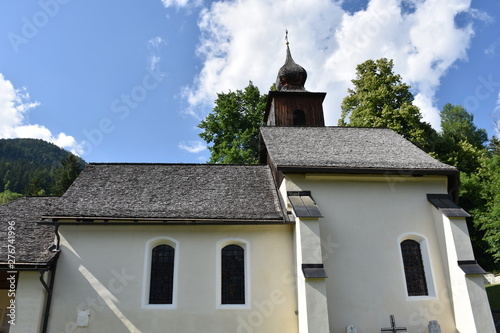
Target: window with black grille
x=162, y=275
x=414, y=268
x=233, y=275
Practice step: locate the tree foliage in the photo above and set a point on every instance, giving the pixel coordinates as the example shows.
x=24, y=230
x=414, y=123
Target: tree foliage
x=460, y=143
x=480, y=194
x=7, y=196
x=31, y=167
x=380, y=99
x=232, y=128
x=66, y=174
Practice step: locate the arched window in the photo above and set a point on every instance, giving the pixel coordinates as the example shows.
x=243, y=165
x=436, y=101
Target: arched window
x=416, y=283
x=299, y=118
x=162, y=275
x=232, y=274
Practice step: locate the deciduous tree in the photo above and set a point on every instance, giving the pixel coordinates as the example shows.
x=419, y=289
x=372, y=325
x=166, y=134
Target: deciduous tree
x=232, y=129
x=380, y=99
x=460, y=143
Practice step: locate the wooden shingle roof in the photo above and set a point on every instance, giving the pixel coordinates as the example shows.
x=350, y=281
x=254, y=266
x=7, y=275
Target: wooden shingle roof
x=172, y=192
x=346, y=148
x=30, y=242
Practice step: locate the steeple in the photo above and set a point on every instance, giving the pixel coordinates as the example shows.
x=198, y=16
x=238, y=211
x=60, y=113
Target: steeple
x=291, y=76
x=291, y=104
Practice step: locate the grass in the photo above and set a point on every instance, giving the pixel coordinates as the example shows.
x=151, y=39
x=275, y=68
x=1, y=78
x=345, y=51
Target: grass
x=493, y=291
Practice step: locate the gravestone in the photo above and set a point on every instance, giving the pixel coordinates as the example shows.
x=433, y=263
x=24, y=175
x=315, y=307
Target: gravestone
x=434, y=327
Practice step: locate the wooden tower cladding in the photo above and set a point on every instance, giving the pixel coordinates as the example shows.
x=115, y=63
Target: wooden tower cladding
x=286, y=108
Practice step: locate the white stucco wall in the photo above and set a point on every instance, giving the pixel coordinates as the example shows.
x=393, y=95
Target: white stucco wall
x=364, y=219
x=30, y=301
x=102, y=268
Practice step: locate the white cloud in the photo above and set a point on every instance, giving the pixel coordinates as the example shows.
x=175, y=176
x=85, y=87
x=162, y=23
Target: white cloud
x=193, y=146
x=491, y=50
x=155, y=42
x=480, y=15
x=154, y=45
x=14, y=104
x=244, y=40
x=181, y=3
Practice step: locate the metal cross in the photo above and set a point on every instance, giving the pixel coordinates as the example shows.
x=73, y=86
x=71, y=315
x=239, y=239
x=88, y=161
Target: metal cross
x=286, y=36
x=393, y=327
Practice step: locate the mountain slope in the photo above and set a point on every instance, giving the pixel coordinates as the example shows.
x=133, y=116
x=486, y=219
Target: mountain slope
x=29, y=160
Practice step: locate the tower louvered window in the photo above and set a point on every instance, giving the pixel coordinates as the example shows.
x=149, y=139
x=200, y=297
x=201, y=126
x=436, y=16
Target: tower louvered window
x=299, y=118
x=233, y=275
x=414, y=268
x=162, y=275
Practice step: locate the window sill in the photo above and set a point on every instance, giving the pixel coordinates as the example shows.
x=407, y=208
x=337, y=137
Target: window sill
x=159, y=306
x=233, y=306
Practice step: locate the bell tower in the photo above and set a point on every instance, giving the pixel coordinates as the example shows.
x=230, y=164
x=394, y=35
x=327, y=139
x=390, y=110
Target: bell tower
x=291, y=104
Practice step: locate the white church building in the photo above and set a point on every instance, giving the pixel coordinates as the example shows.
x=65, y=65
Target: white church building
x=338, y=229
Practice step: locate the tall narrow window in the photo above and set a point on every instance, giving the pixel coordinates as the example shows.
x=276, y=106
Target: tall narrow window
x=299, y=118
x=233, y=275
x=414, y=268
x=162, y=275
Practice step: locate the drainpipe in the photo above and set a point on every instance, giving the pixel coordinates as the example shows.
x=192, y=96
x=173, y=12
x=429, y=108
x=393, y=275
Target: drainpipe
x=50, y=287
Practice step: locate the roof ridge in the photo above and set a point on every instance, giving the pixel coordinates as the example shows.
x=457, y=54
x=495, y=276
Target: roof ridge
x=338, y=127
x=173, y=164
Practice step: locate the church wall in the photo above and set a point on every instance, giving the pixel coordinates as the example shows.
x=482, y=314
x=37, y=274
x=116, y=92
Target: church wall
x=365, y=218
x=30, y=299
x=102, y=269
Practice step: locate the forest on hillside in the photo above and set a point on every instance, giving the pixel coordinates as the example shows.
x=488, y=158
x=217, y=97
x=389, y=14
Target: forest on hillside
x=35, y=167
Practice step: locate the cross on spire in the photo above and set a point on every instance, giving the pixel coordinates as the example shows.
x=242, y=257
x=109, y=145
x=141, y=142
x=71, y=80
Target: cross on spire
x=286, y=36
x=393, y=327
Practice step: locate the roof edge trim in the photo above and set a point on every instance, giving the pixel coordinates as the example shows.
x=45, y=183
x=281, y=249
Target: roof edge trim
x=401, y=172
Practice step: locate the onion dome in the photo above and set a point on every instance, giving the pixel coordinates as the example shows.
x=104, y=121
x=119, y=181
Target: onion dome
x=291, y=76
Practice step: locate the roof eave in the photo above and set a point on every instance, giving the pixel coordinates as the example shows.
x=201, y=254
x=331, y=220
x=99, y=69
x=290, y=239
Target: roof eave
x=30, y=266
x=350, y=170
x=90, y=220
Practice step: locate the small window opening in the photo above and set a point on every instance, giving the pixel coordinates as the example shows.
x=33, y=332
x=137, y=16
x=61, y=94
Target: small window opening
x=299, y=118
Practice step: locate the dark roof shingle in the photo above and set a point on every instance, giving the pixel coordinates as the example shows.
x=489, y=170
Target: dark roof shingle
x=345, y=148
x=172, y=191
x=30, y=241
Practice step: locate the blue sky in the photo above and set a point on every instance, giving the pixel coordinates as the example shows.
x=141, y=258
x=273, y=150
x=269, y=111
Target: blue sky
x=128, y=81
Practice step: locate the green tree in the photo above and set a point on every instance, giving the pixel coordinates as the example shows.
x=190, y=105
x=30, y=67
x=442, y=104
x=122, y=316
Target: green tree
x=460, y=143
x=232, y=128
x=66, y=174
x=35, y=187
x=480, y=194
x=380, y=99
x=7, y=196
x=494, y=146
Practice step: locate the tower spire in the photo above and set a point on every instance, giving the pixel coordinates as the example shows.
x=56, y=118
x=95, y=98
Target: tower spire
x=291, y=76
